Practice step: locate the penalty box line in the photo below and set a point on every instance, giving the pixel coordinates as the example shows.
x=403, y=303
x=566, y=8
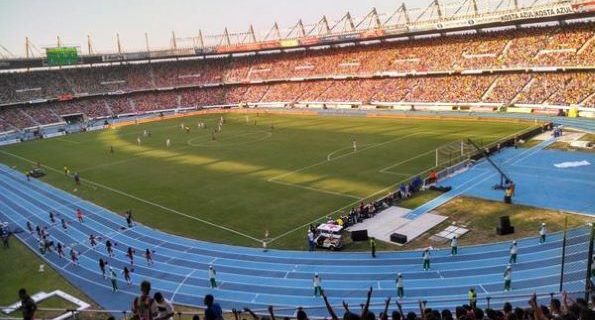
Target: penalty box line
x=358, y=198
x=342, y=156
x=144, y=201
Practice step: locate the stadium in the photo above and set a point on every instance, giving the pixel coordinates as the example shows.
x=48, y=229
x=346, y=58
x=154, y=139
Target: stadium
x=433, y=162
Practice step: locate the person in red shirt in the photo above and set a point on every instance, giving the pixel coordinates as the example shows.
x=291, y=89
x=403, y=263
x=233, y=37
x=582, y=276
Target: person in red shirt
x=79, y=215
x=433, y=176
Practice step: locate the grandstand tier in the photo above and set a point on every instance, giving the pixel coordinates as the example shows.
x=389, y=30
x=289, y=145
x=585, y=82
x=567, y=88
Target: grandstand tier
x=550, y=65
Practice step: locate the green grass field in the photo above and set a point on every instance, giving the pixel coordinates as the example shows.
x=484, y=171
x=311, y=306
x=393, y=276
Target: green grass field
x=267, y=172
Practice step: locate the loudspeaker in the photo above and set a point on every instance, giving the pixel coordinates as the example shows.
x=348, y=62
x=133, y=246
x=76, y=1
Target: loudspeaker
x=504, y=222
x=359, y=235
x=504, y=228
x=504, y=231
x=398, y=238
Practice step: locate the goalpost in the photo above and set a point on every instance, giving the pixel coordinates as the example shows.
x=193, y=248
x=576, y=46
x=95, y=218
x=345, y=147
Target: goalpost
x=453, y=153
x=453, y=157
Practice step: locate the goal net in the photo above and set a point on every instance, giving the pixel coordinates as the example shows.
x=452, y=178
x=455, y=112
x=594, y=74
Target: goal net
x=453, y=153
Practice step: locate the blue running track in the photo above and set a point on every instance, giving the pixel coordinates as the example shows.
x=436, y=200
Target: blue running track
x=249, y=277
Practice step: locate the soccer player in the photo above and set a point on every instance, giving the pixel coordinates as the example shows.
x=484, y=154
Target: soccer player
x=187, y=130
x=145, y=133
x=454, y=243
x=513, y=252
x=316, y=282
x=79, y=215
x=108, y=247
x=182, y=126
x=426, y=258
x=212, y=280
x=507, y=277
x=66, y=171
x=92, y=241
x=114, y=279
x=74, y=256
x=168, y=143
x=60, y=250
x=400, y=286
x=126, y=273
x=542, y=233
x=354, y=145
x=102, y=265
x=111, y=149
x=52, y=218
x=77, y=179
x=149, y=257
x=130, y=254
x=138, y=141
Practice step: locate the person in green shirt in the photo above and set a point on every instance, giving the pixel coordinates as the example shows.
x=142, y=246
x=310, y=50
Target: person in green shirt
x=507, y=277
x=114, y=279
x=472, y=295
x=212, y=274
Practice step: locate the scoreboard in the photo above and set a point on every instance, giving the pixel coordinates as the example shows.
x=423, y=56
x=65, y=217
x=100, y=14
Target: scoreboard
x=62, y=56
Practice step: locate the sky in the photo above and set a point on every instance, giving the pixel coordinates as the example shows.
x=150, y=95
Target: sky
x=73, y=20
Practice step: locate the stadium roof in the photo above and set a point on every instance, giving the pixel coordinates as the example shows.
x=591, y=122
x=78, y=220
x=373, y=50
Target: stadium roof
x=438, y=17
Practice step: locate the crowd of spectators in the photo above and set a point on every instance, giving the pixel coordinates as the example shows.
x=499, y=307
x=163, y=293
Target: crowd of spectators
x=569, y=88
x=572, y=45
x=190, y=83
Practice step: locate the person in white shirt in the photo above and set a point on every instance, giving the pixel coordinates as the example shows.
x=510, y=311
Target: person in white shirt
x=317, y=285
x=311, y=244
x=400, y=286
x=426, y=258
x=167, y=143
x=513, y=252
x=454, y=243
x=542, y=233
x=161, y=308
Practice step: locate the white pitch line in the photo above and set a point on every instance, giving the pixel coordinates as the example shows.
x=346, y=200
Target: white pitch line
x=343, y=156
x=385, y=170
x=388, y=188
x=317, y=190
x=329, y=156
x=181, y=284
x=484, y=289
x=143, y=200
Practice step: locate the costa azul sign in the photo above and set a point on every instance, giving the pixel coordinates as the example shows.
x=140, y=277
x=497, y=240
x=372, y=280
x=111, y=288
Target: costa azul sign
x=521, y=14
x=538, y=12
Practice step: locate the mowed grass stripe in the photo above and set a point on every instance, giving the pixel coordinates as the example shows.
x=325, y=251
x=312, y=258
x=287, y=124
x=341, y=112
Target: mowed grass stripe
x=227, y=185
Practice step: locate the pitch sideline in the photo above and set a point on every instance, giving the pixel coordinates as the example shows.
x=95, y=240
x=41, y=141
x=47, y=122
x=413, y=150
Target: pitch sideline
x=144, y=201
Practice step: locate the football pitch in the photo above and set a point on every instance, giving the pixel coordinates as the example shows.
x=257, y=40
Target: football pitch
x=262, y=174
